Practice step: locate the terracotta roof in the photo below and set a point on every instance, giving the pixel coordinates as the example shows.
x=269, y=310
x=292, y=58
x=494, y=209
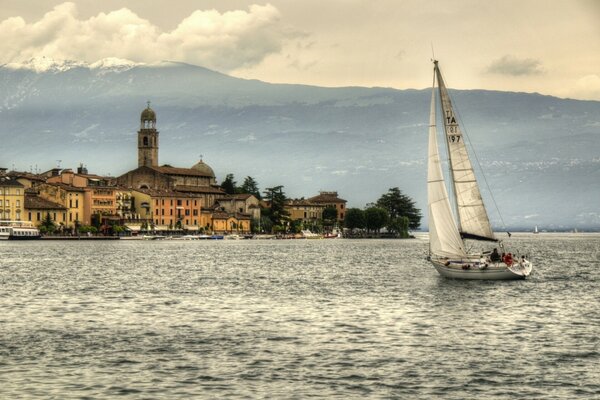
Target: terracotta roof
x=242, y=196
x=327, y=197
x=180, y=171
x=199, y=189
x=165, y=193
x=10, y=181
x=38, y=203
x=303, y=202
x=26, y=175
x=66, y=187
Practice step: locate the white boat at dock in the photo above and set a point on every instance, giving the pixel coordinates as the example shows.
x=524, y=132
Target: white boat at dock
x=18, y=230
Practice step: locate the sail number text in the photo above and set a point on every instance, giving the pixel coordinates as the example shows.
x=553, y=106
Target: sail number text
x=454, y=138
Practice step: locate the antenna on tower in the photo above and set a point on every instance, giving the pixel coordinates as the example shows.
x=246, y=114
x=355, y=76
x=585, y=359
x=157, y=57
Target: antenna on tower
x=432, y=52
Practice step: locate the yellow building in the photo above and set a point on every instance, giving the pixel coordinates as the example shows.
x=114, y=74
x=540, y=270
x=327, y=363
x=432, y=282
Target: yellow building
x=12, y=198
x=304, y=210
x=223, y=223
x=100, y=195
x=331, y=199
x=37, y=209
x=70, y=197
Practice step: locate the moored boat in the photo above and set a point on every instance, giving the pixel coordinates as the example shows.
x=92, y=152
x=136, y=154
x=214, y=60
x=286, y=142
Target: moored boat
x=18, y=230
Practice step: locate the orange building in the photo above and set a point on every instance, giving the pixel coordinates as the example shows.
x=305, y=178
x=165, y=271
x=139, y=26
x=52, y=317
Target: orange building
x=167, y=209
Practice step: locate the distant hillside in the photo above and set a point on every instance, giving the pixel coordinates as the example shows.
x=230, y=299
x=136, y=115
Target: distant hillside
x=540, y=153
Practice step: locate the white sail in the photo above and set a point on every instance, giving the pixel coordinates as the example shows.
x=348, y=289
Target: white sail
x=444, y=239
x=472, y=217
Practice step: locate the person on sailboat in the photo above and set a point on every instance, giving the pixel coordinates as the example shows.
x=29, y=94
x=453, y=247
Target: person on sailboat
x=508, y=260
x=495, y=257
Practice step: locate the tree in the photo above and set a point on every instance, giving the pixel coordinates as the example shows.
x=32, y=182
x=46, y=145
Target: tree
x=228, y=185
x=355, y=219
x=399, y=205
x=375, y=218
x=276, y=212
x=250, y=186
x=47, y=225
x=399, y=226
x=329, y=216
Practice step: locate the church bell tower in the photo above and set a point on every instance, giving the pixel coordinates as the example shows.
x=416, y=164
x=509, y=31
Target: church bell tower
x=148, y=139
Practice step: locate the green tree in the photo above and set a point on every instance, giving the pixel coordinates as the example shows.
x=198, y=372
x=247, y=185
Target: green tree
x=399, y=205
x=250, y=186
x=375, y=218
x=355, y=219
x=329, y=217
x=277, y=214
x=47, y=225
x=399, y=226
x=229, y=184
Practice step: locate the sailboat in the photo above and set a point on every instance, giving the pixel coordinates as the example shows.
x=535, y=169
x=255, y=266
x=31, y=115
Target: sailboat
x=447, y=234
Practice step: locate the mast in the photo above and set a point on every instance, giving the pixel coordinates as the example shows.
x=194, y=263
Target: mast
x=473, y=221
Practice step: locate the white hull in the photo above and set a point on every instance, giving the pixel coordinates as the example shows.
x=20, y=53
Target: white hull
x=494, y=272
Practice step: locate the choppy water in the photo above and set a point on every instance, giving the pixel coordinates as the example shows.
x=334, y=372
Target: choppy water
x=293, y=319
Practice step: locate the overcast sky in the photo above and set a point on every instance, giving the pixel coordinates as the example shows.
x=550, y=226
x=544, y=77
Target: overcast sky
x=546, y=46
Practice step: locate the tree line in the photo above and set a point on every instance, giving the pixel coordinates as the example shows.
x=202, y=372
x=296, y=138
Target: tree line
x=394, y=211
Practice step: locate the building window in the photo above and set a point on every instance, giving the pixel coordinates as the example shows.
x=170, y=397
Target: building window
x=29, y=215
x=18, y=203
x=171, y=203
x=76, y=203
x=18, y=215
x=39, y=217
x=70, y=203
x=171, y=210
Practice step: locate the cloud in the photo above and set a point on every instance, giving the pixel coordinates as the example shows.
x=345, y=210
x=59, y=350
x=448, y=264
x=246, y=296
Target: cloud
x=509, y=65
x=222, y=41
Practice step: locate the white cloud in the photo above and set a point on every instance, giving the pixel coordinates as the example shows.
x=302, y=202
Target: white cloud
x=222, y=41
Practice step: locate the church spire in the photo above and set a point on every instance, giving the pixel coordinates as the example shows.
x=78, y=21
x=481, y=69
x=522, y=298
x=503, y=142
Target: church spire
x=148, y=139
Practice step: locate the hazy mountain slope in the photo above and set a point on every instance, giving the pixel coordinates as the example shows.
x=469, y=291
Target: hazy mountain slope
x=540, y=153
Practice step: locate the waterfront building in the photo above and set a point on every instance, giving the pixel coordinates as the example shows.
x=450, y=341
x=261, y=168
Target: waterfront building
x=37, y=209
x=70, y=197
x=12, y=197
x=166, y=209
x=310, y=213
x=331, y=199
x=100, y=195
x=228, y=223
x=243, y=203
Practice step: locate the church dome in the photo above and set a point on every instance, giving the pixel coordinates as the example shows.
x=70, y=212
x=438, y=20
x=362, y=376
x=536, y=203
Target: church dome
x=202, y=167
x=148, y=114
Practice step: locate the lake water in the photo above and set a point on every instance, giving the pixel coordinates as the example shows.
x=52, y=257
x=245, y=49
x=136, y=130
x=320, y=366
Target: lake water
x=294, y=319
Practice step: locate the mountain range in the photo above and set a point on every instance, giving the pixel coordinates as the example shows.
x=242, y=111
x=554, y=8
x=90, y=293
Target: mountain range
x=539, y=153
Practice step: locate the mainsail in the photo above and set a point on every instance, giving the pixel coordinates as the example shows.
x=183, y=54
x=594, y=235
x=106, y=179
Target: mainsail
x=444, y=240
x=472, y=217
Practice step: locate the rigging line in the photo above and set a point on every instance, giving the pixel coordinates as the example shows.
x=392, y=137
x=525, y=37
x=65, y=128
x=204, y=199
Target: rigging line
x=476, y=159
